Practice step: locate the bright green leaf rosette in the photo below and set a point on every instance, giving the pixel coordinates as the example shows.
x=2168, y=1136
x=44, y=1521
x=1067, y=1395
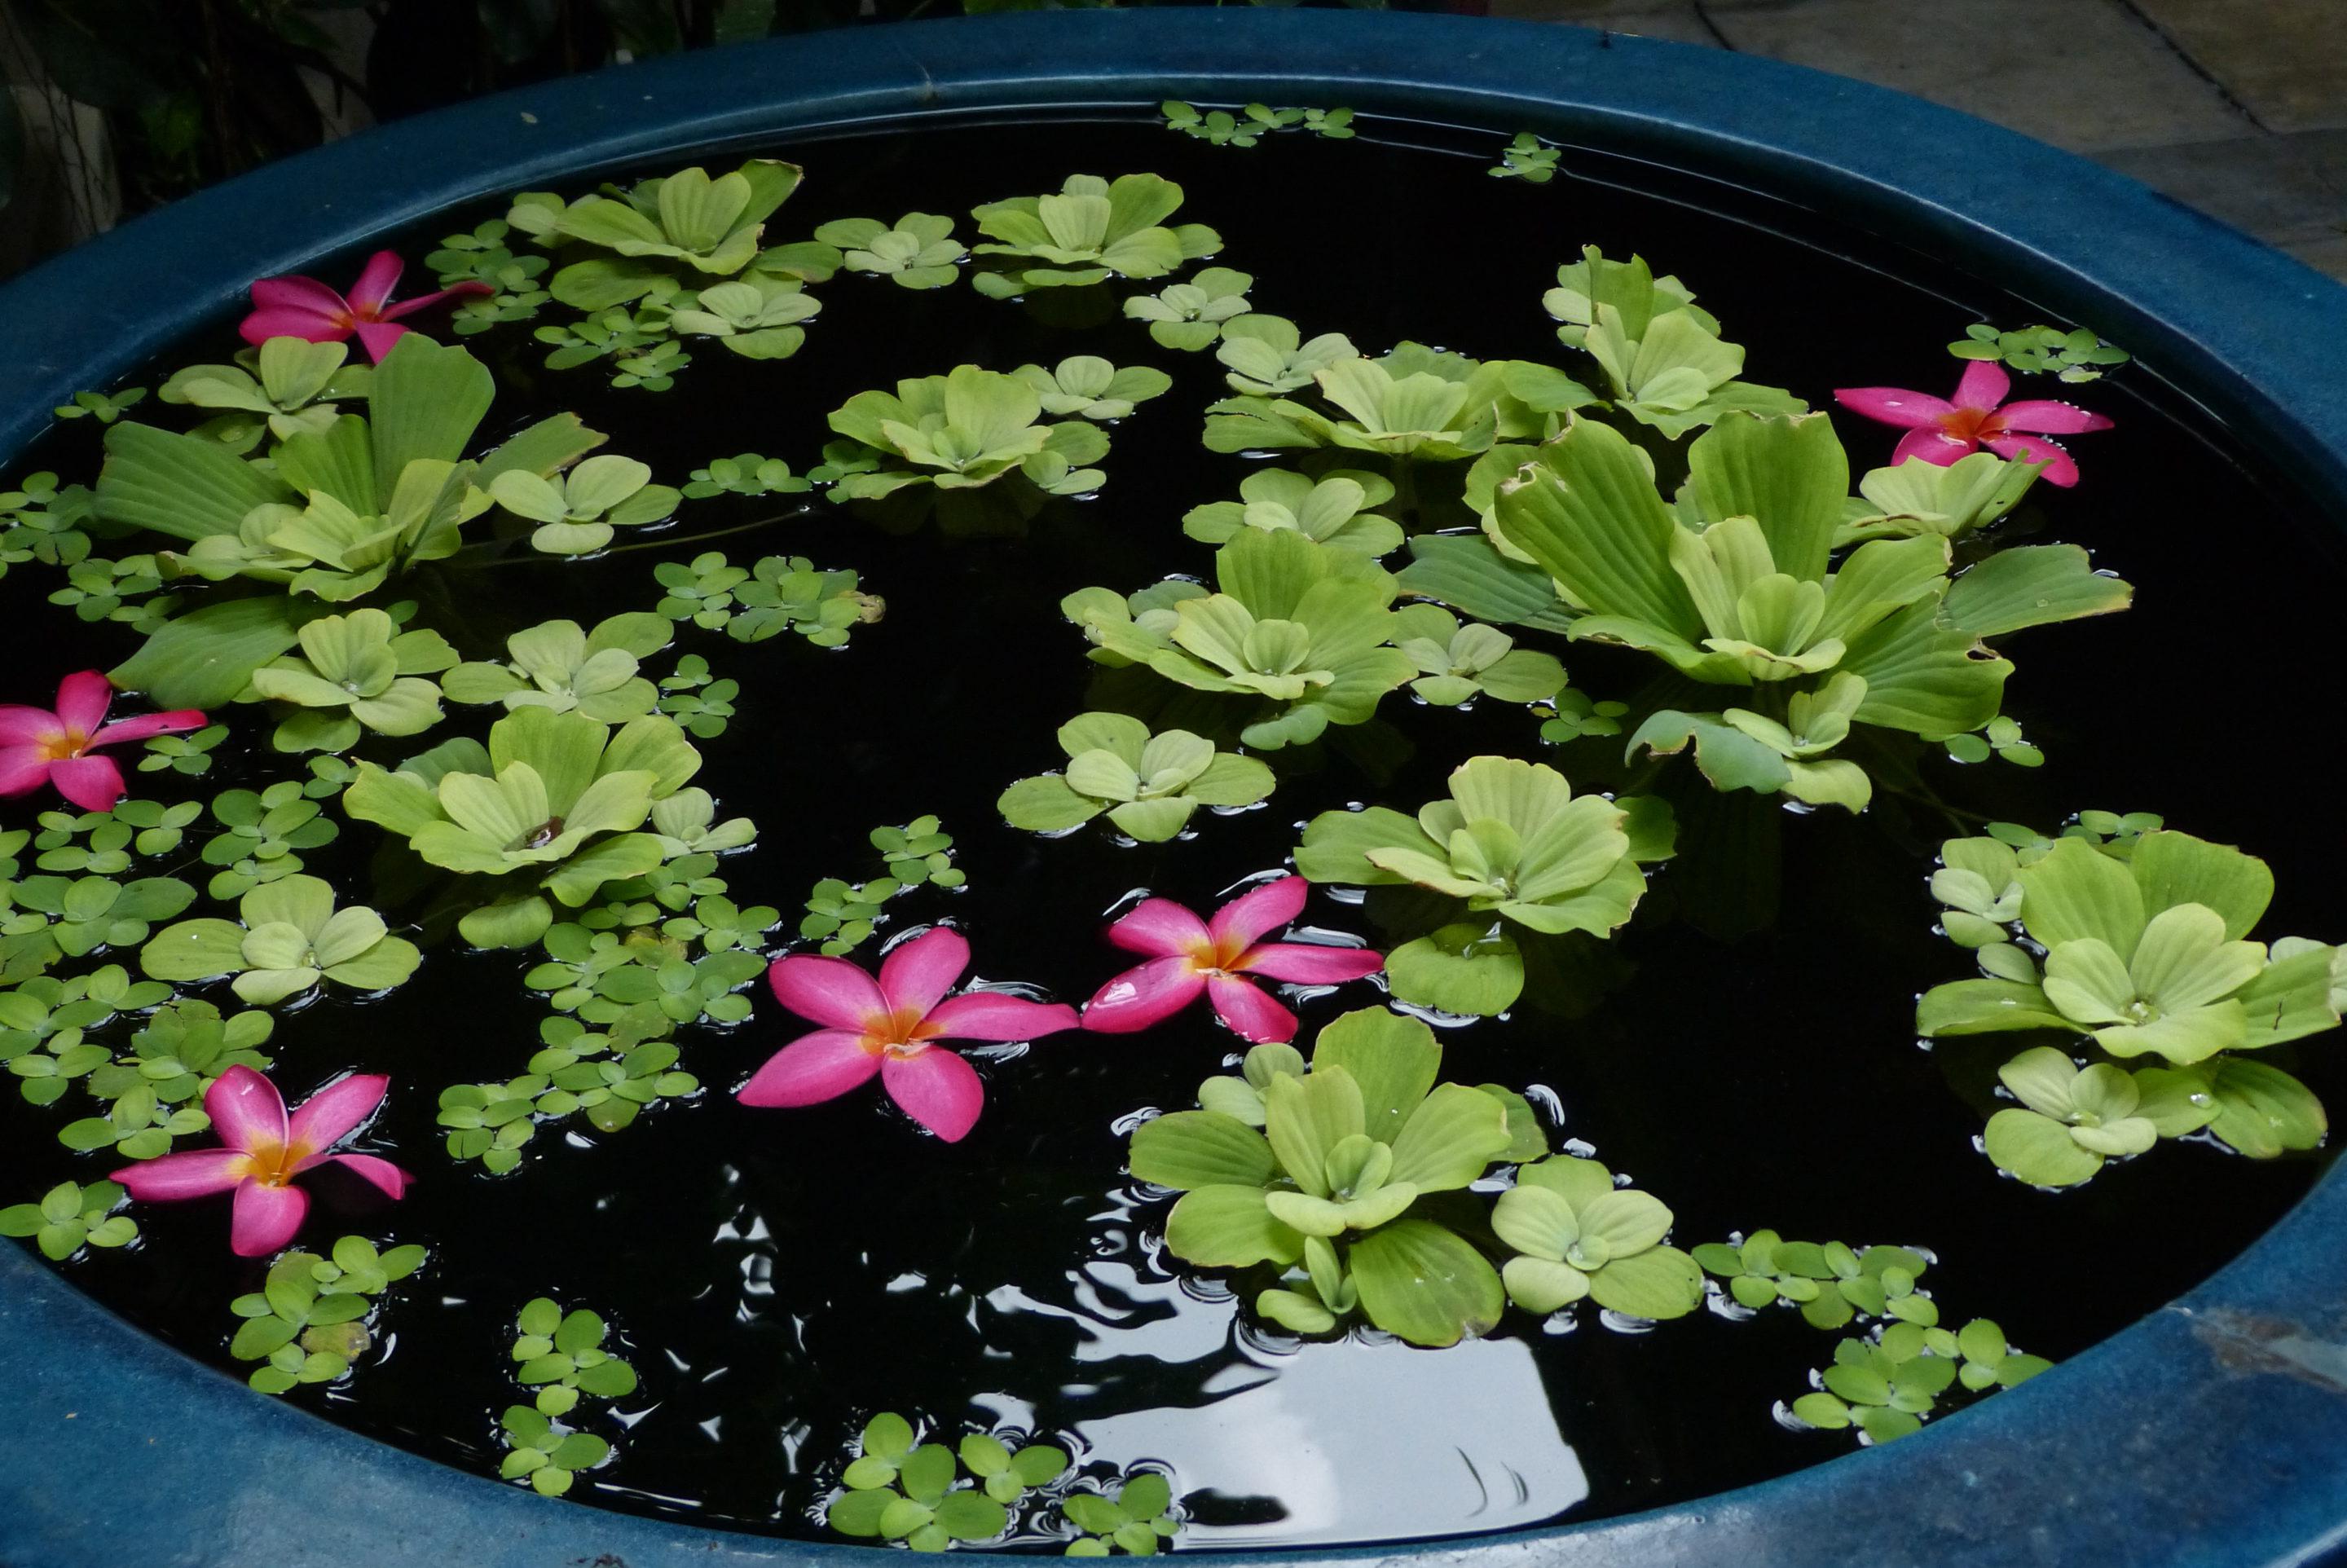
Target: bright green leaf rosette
x=1575, y=1234
x=550, y=809
x=1415, y=403
x=1459, y=663
x=1089, y=230
x=355, y=674
x=577, y=513
x=1267, y=355
x=917, y=251
x=2145, y=953
x=1920, y=497
x=1511, y=841
x=287, y=937
x=1333, y=509
x=1335, y=1189
x=685, y=224
x=957, y=432
x=556, y=665
x=1301, y=626
x=1662, y=359
x=1148, y=785
x=71, y=1216
x=1190, y=316
x=755, y=317
x=333, y=510
x=1086, y=386
x=284, y=387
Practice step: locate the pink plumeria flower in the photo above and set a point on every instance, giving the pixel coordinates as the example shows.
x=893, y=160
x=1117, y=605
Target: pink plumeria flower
x=265, y=1151
x=1190, y=957
x=1939, y=431
x=306, y=308
x=40, y=746
x=893, y=1028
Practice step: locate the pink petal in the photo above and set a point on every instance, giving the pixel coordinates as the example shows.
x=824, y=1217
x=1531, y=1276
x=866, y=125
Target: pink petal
x=298, y=294
x=916, y=975
x=937, y=1089
x=991, y=1015
x=2050, y=416
x=816, y=1067
x=83, y=699
x=2060, y=469
x=146, y=724
x=246, y=1109
x=1159, y=927
x=1256, y=911
x=310, y=326
x=829, y=991
x=264, y=1218
x=378, y=337
x=1250, y=1014
x=1982, y=386
x=1932, y=445
x=24, y=768
x=93, y=784
x=382, y=1174
x=333, y=1113
x=21, y=725
x=1309, y=964
x=1141, y=997
x=171, y=1177
x=1893, y=405
x=424, y=302
x=376, y=280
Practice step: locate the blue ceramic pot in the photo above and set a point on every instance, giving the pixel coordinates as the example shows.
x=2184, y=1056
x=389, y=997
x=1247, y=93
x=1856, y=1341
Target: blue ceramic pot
x=2212, y=1433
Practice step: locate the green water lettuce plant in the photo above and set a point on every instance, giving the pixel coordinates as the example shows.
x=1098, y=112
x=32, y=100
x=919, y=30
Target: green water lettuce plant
x=756, y=317
x=917, y=251
x=556, y=665
x=576, y=513
x=1343, y=1185
x=2144, y=935
x=552, y=808
x=330, y=515
x=898, y=1489
x=1921, y=496
x=1661, y=357
x=1265, y=356
x=1302, y=627
x=2146, y=955
x=1086, y=386
x=956, y=431
x=1511, y=838
x=1148, y=785
x=1191, y=315
x=355, y=674
x=1736, y=587
x=1334, y=508
x=1458, y=663
x=288, y=935
x=1575, y=1234
x=1087, y=232
x=711, y=226
x=2071, y=1120
x=284, y=387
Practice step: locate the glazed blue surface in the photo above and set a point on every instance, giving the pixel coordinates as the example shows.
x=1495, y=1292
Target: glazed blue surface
x=2212, y=1433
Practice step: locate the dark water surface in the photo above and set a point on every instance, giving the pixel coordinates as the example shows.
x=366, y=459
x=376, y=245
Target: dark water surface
x=777, y=1275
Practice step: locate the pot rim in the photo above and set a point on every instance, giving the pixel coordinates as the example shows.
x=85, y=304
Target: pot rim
x=2217, y=1431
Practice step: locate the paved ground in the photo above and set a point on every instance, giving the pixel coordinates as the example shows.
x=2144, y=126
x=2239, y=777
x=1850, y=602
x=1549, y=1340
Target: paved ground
x=2237, y=106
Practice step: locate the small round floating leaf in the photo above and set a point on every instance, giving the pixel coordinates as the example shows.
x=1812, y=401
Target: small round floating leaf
x=971, y=1516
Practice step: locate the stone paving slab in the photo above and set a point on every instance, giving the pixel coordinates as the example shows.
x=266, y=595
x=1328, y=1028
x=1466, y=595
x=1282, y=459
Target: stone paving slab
x=1680, y=21
x=2285, y=61
x=2082, y=74
x=2265, y=184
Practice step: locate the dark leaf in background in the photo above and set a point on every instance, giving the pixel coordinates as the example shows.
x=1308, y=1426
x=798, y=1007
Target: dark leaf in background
x=519, y=30
x=110, y=54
